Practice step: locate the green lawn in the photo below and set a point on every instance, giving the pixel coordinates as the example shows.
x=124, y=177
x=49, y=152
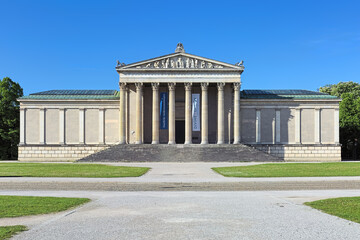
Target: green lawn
x=9, y=231
x=346, y=207
x=292, y=170
x=16, y=206
x=68, y=170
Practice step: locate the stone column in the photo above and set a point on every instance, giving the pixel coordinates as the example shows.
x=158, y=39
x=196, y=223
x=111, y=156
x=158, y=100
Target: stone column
x=317, y=125
x=42, y=126
x=81, y=125
x=237, y=86
x=61, y=126
x=155, y=113
x=258, y=126
x=204, y=114
x=277, y=126
x=220, y=119
x=297, y=125
x=101, y=126
x=188, y=120
x=122, y=119
x=22, y=125
x=336, y=125
x=171, y=113
x=138, y=131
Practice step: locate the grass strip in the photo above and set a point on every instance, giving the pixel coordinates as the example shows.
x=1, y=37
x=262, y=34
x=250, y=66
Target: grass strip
x=68, y=170
x=16, y=206
x=9, y=231
x=345, y=207
x=292, y=170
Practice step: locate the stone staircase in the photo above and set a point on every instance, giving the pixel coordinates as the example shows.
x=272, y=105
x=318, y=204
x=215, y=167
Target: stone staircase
x=180, y=153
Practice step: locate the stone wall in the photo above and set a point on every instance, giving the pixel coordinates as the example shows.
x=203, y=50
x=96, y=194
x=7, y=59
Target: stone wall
x=53, y=153
x=303, y=152
x=279, y=121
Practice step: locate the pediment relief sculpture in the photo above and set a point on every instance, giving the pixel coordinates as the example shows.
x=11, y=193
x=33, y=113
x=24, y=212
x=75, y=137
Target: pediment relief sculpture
x=179, y=62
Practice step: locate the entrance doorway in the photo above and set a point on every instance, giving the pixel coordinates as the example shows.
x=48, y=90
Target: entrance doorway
x=180, y=131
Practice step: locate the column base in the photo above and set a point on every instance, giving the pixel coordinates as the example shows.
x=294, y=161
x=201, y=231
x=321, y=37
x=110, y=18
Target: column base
x=155, y=142
x=138, y=142
x=171, y=142
x=237, y=142
x=220, y=142
x=204, y=142
x=122, y=142
x=187, y=142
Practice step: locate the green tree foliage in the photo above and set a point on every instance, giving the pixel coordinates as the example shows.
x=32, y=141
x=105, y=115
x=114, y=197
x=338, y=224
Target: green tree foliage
x=349, y=114
x=9, y=118
x=340, y=88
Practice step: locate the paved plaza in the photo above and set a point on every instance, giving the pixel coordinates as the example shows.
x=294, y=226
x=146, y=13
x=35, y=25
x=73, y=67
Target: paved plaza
x=190, y=215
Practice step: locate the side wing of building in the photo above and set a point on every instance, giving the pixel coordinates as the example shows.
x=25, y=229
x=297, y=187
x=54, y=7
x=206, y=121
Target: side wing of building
x=67, y=125
x=296, y=125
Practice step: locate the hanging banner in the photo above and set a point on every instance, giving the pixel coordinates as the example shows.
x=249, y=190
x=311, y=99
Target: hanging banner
x=164, y=110
x=196, y=112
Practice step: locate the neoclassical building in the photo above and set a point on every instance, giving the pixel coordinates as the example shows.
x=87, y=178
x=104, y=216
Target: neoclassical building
x=179, y=98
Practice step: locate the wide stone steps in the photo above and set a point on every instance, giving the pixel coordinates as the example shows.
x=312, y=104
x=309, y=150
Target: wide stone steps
x=180, y=153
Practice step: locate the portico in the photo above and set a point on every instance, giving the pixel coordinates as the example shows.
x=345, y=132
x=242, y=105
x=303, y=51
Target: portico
x=185, y=78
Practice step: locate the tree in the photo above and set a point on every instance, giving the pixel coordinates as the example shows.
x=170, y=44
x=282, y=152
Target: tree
x=9, y=118
x=349, y=115
x=340, y=88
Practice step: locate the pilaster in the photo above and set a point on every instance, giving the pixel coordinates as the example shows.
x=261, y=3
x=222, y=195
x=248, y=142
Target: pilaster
x=61, y=126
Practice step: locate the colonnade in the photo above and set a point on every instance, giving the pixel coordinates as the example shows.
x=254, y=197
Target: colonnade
x=188, y=111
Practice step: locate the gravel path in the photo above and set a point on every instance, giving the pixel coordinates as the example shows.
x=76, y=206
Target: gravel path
x=181, y=186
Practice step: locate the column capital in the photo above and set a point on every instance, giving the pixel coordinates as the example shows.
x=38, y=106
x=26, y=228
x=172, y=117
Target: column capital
x=138, y=86
x=220, y=86
x=171, y=86
x=155, y=86
x=204, y=86
x=188, y=86
x=122, y=86
x=237, y=86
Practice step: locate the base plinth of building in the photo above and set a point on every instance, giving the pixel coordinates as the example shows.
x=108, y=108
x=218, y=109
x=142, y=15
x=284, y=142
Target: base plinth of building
x=303, y=152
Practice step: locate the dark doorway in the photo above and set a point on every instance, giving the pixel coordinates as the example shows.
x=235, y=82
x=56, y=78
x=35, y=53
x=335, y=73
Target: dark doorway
x=180, y=131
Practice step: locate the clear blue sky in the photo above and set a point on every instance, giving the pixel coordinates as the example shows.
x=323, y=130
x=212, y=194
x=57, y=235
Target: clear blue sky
x=47, y=45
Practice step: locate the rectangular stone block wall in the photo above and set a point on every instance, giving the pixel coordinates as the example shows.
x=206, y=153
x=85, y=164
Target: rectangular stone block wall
x=68, y=153
x=304, y=152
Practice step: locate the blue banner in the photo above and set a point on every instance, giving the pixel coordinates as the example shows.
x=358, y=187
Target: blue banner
x=195, y=112
x=164, y=110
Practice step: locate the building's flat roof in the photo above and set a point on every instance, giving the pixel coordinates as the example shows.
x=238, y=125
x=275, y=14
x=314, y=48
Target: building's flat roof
x=113, y=94
x=284, y=94
x=74, y=94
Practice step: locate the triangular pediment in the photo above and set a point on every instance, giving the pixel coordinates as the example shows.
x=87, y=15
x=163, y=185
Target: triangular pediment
x=179, y=62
